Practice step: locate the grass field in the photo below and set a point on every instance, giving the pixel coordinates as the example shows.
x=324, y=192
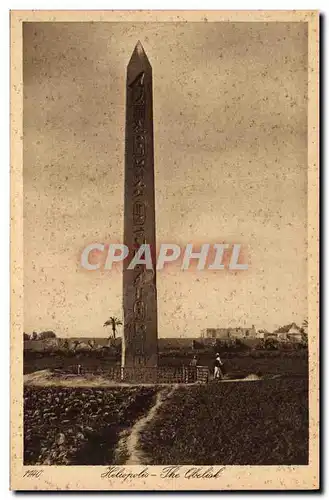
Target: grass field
x=72, y=426
x=255, y=422
x=240, y=423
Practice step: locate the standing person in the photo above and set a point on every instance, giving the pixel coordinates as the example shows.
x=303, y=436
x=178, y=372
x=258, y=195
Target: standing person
x=193, y=365
x=218, y=374
x=194, y=361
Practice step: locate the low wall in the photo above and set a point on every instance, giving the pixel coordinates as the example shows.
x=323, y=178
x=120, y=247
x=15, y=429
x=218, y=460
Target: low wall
x=202, y=374
x=156, y=375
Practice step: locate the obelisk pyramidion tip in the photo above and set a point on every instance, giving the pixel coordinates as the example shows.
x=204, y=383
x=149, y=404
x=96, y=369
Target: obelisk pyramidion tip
x=138, y=62
x=139, y=48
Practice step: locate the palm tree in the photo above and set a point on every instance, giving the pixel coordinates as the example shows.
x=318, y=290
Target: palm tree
x=113, y=322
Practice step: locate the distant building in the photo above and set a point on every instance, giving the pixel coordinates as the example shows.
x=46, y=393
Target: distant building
x=270, y=335
x=261, y=334
x=290, y=332
x=229, y=333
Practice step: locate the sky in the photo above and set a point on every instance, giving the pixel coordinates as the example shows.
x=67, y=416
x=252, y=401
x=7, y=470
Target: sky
x=230, y=135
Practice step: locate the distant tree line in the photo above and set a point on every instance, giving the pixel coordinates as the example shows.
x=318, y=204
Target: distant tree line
x=49, y=334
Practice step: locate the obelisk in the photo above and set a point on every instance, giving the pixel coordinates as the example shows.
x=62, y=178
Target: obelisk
x=140, y=342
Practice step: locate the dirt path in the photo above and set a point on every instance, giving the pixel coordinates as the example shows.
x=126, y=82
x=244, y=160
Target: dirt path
x=130, y=443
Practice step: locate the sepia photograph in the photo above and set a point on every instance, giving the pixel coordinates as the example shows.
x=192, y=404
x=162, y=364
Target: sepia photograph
x=164, y=250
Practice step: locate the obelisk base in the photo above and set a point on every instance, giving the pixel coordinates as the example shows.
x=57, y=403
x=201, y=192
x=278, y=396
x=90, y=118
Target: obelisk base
x=139, y=375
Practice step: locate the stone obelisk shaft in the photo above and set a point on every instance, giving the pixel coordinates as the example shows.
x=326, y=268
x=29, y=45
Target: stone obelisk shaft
x=140, y=342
